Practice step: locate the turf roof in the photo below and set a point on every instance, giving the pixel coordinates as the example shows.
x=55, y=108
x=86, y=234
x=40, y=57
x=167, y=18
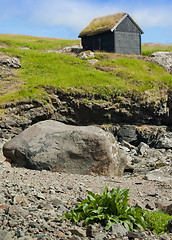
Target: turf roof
x=101, y=24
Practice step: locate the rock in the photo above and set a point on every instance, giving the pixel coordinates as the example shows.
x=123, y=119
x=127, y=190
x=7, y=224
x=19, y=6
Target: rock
x=165, y=141
x=127, y=133
x=164, y=59
x=71, y=50
x=142, y=148
x=137, y=234
x=75, y=237
x=162, y=175
x=86, y=54
x=5, y=235
x=19, y=199
x=168, y=209
x=150, y=206
x=93, y=230
x=129, y=146
x=100, y=236
x=40, y=196
x=169, y=226
x=119, y=229
x=60, y=234
x=57, y=202
x=24, y=48
x=92, y=61
x=78, y=232
x=10, y=62
x=16, y=210
x=54, y=146
x=19, y=233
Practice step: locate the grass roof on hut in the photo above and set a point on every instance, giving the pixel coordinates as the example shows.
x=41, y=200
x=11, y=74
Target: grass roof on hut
x=101, y=24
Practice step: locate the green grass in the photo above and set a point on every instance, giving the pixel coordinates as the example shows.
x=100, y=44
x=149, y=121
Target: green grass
x=137, y=74
x=157, y=221
x=148, y=48
x=111, y=75
x=35, y=43
x=41, y=70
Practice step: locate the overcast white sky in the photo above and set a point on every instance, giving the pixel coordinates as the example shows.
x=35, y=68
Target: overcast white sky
x=66, y=18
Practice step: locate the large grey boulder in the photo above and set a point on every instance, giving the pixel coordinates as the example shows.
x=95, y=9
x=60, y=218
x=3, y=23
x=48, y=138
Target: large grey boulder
x=54, y=146
x=164, y=59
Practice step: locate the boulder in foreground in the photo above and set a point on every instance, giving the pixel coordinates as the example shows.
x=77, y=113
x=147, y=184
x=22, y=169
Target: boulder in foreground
x=54, y=146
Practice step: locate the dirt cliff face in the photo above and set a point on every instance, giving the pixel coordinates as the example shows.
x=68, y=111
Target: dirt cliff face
x=77, y=109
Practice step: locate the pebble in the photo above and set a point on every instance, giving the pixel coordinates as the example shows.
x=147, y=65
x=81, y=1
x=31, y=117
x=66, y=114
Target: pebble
x=31, y=203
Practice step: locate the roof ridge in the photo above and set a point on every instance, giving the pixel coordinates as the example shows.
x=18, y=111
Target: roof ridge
x=105, y=23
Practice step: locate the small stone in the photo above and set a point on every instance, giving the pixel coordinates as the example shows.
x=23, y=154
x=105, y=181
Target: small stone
x=26, y=238
x=142, y=148
x=5, y=235
x=89, y=231
x=12, y=223
x=18, y=199
x=133, y=152
x=78, y=232
x=52, y=192
x=47, y=206
x=74, y=237
x=100, y=236
x=60, y=234
x=150, y=206
x=4, y=206
x=119, y=229
x=40, y=196
x=39, y=235
x=168, y=209
x=20, y=233
x=56, y=202
x=136, y=234
x=62, y=209
x=169, y=226
x=16, y=210
x=34, y=224
x=92, y=230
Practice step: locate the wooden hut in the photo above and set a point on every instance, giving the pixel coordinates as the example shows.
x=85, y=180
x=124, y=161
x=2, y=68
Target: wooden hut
x=113, y=33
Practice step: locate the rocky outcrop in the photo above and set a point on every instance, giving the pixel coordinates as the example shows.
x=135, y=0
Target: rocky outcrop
x=54, y=146
x=8, y=75
x=78, y=109
x=164, y=59
x=165, y=141
x=10, y=62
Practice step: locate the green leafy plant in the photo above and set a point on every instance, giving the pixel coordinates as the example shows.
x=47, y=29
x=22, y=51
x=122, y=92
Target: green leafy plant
x=108, y=208
x=157, y=221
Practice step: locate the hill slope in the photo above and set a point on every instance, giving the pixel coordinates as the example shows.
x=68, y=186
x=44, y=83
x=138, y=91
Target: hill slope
x=115, y=81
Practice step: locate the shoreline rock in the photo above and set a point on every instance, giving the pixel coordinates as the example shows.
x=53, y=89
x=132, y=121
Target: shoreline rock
x=55, y=146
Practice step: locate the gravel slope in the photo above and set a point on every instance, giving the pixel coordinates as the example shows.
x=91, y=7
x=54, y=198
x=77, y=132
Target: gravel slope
x=31, y=201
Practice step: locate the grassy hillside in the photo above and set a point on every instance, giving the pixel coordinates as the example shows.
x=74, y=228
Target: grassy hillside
x=149, y=48
x=110, y=75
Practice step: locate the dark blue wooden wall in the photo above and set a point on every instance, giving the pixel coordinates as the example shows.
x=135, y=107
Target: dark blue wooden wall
x=103, y=41
x=127, y=38
x=127, y=25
